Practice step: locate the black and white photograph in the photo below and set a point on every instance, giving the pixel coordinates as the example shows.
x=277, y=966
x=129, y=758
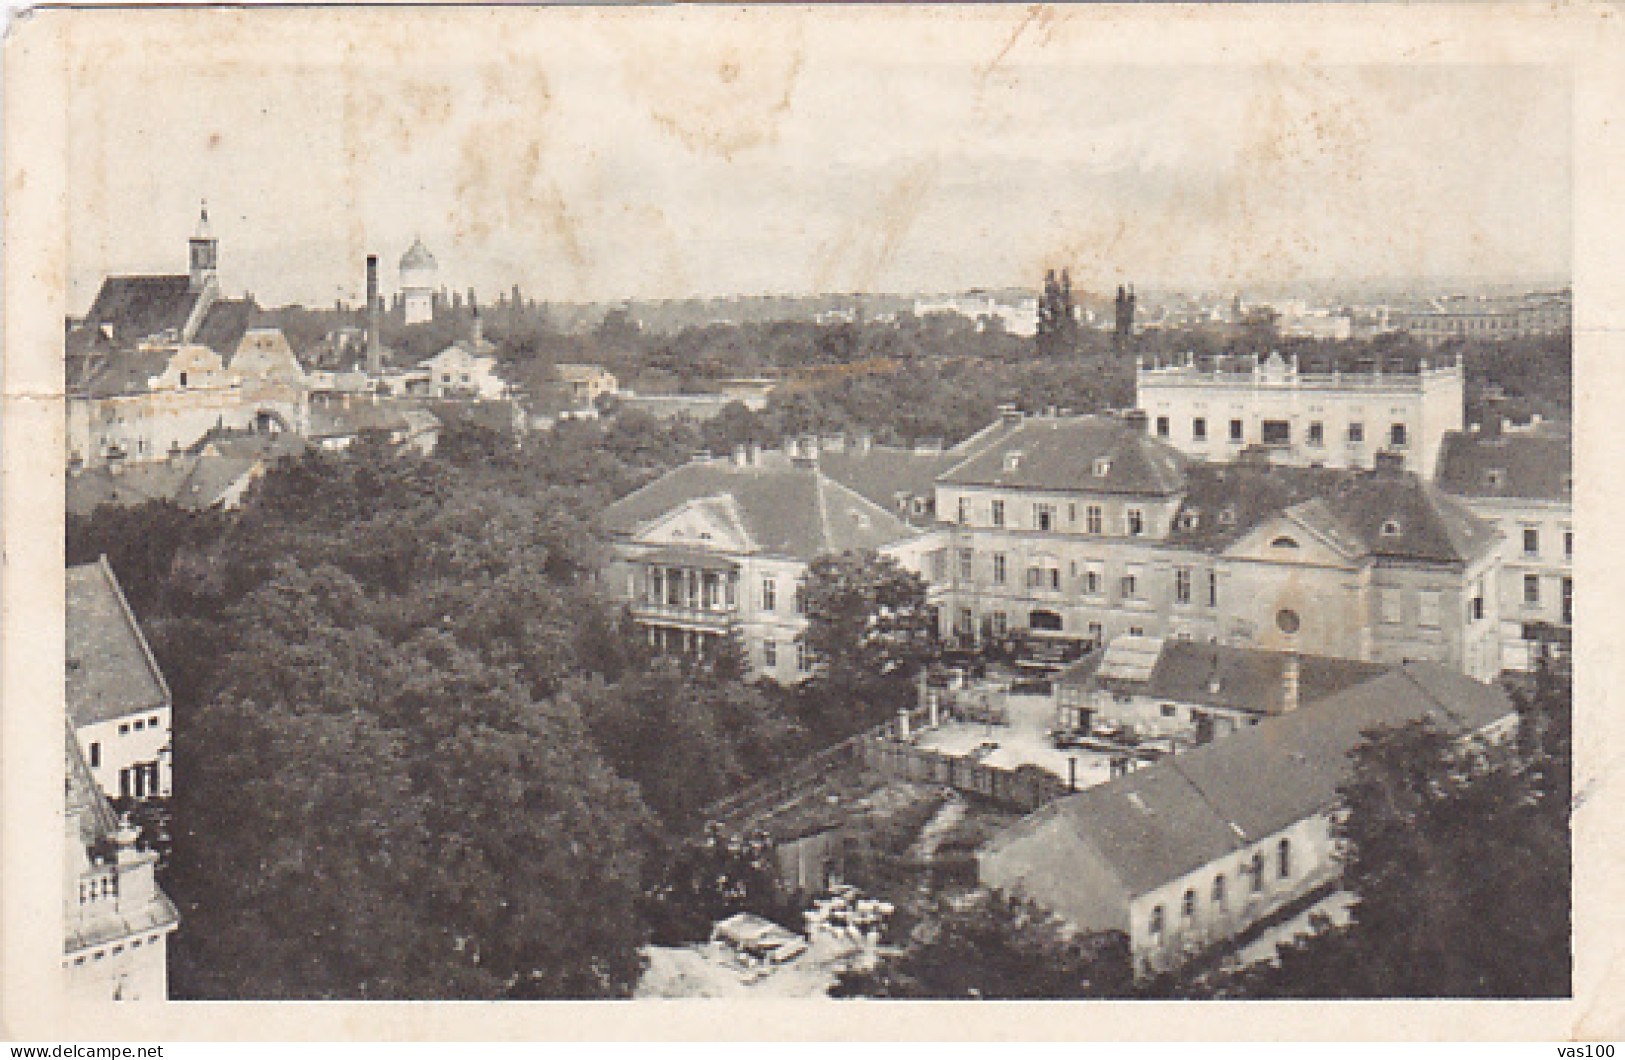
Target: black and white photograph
x=850, y=504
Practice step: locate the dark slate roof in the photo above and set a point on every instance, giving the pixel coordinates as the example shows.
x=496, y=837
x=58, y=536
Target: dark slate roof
x=110, y=671
x=1166, y=820
x=139, y=306
x=787, y=511
x=330, y=421
x=1431, y=527
x=1531, y=465
x=1215, y=675
x=883, y=473
x=225, y=323
x=83, y=795
x=1058, y=453
x=128, y=484
x=126, y=371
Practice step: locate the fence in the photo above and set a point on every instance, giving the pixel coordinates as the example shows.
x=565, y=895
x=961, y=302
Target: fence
x=1025, y=790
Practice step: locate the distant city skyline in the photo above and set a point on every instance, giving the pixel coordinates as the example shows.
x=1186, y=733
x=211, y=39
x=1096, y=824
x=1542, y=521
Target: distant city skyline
x=657, y=153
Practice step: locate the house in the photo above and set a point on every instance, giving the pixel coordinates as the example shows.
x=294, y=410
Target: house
x=1187, y=853
x=1214, y=410
x=465, y=369
x=1080, y=529
x=718, y=548
x=118, y=703
x=337, y=426
x=1191, y=692
x=587, y=382
x=116, y=920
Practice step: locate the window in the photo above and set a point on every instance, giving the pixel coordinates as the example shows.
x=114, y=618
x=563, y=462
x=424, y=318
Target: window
x=1091, y=579
x=1213, y=588
x=770, y=594
x=1218, y=891
x=1356, y=432
x=799, y=600
x=1136, y=522
x=1235, y=430
x=1396, y=436
x=95, y=755
x=1276, y=432
x=1475, y=610
x=998, y=513
x=124, y=729
x=803, y=657
x=1044, y=516
x=964, y=511
x=1287, y=621
x=1199, y=429
x=1044, y=620
x=967, y=621
x=1102, y=467
x=1531, y=541
x=1568, y=601
x=1096, y=633
x=1162, y=426
x=1568, y=544
x=1072, y=514
x=966, y=563
x=1093, y=519
x=1531, y=590
x=183, y=379
x=1156, y=923
x=1257, y=872
x=1055, y=579
x=1317, y=433
x=1189, y=906
x=998, y=568
x=1283, y=858
x=1389, y=606
x=1130, y=586
x=1170, y=711
x=999, y=623
x=1429, y=608
x=1283, y=542
x=1182, y=585
x=1136, y=631
x=139, y=724
x=1390, y=528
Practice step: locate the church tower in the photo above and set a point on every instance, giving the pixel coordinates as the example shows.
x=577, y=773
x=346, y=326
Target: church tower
x=204, y=252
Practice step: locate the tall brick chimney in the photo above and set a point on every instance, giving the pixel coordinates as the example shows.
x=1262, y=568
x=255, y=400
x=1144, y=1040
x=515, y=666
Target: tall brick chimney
x=375, y=340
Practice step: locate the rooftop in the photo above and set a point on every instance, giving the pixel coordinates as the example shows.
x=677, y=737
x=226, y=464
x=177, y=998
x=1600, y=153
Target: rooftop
x=1533, y=464
x=1096, y=454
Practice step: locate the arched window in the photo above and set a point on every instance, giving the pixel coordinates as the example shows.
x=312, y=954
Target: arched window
x=1218, y=892
x=1284, y=858
x=1283, y=542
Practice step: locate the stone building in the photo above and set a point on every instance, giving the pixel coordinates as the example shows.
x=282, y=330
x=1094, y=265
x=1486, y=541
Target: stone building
x=420, y=278
x=1080, y=529
x=1184, y=855
x=1216, y=410
x=1521, y=479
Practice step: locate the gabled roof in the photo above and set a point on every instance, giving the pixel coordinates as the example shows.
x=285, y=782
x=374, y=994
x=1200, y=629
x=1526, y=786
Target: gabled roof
x=1061, y=453
x=1223, y=502
x=128, y=371
x=111, y=672
x=225, y=322
x=136, y=307
x=1398, y=516
x=1171, y=818
x=1215, y=675
x=1531, y=465
x=797, y=512
x=882, y=473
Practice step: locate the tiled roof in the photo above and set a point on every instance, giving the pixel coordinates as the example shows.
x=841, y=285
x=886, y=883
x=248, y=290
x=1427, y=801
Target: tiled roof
x=1399, y=516
x=1532, y=465
x=139, y=306
x=1169, y=819
x=329, y=421
x=225, y=323
x=1060, y=453
x=126, y=372
x=1215, y=675
x=797, y=512
x=881, y=473
x=110, y=671
x=1224, y=501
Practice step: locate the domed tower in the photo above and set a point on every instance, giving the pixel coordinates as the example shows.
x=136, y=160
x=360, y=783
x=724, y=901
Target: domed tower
x=204, y=251
x=420, y=275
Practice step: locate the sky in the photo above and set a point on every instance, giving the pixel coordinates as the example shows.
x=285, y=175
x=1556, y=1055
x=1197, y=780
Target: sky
x=669, y=152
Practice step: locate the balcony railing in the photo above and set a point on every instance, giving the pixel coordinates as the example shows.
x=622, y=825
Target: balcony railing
x=719, y=617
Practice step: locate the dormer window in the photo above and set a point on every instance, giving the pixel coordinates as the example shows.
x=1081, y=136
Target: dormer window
x=1227, y=516
x=1191, y=519
x=1012, y=460
x=1102, y=467
x=1494, y=477
x=1390, y=528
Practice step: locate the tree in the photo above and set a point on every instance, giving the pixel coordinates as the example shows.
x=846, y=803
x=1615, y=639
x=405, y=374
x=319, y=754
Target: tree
x=991, y=947
x=867, y=617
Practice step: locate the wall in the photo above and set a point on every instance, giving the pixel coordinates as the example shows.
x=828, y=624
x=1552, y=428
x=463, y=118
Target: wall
x=124, y=750
x=135, y=972
x=1047, y=864
x=1551, y=563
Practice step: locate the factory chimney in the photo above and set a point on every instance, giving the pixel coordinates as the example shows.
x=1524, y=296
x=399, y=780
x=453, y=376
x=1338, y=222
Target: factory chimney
x=375, y=340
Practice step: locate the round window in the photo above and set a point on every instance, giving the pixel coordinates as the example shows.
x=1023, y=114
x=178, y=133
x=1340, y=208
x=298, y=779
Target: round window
x=1286, y=620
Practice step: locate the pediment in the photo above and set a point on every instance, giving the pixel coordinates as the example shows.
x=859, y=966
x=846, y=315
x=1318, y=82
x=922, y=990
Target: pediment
x=1282, y=539
x=709, y=523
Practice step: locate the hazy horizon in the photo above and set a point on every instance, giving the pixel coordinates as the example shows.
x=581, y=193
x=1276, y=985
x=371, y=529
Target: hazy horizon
x=700, y=153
